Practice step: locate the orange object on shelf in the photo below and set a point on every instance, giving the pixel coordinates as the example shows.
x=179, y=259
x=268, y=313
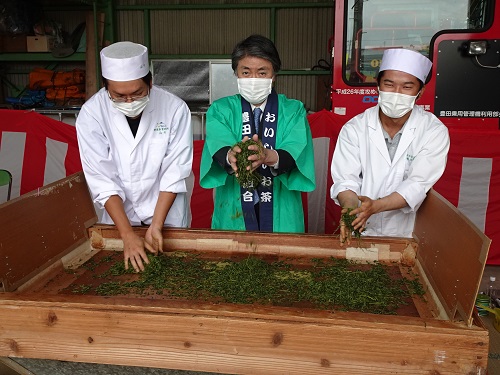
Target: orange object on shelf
x=44, y=78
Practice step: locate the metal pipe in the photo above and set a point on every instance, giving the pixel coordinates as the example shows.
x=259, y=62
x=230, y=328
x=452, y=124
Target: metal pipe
x=111, y=17
x=147, y=29
x=96, y=41
x=272, y=24
x=222, y=6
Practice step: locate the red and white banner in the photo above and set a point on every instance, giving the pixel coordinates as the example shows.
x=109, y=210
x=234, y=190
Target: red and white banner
x=38, y=150
x=471, y=181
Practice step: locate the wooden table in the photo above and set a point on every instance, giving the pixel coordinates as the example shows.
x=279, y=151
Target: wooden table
x=45, y=232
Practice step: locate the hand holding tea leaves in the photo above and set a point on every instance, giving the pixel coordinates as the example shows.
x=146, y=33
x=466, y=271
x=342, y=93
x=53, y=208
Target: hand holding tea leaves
x=358, y=216
x=247, y=176
x=248, y=155
x=153, y=240
x=355, y=217
x=347, y=229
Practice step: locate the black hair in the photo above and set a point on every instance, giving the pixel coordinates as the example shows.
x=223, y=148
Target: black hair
x=256, y=46
x=148, y=78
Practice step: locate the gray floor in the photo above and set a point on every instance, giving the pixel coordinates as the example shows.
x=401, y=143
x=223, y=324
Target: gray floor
x=27, y=366
x=490, y=271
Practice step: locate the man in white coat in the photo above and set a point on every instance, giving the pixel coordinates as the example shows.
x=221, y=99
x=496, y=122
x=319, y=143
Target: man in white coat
x=136, y=149
x=388, y=157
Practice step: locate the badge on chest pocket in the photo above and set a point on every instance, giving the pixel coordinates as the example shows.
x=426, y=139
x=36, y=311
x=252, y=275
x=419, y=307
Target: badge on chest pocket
x=408, y=161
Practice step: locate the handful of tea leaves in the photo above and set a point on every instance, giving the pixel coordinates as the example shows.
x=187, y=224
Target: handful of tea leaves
x=247, y=178
x=347, y=219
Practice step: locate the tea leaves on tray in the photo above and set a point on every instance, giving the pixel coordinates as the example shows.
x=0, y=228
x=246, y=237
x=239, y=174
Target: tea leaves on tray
x=332, y=284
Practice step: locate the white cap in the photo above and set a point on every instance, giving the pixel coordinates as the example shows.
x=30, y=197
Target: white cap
x=408, y=61
x=124, y=61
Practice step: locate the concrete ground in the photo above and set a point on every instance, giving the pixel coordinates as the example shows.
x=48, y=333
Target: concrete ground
x=28, y=366
x=494, y=351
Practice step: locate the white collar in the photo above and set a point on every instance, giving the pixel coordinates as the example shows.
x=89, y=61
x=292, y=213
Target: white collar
x=262, y=106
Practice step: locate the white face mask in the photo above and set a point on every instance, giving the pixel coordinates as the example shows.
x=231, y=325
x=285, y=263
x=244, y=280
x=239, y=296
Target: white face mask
x=255, y=90
x=395, y=105
x=132, y=109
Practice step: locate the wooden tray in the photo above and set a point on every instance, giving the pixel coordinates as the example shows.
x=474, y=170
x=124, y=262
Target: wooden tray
x=58, y=231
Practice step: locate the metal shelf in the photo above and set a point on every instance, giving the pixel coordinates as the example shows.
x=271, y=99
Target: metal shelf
x=40, y=56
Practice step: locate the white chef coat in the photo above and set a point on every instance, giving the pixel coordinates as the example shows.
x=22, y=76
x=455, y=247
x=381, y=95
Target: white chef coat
x=159, y=158
x=361, y=163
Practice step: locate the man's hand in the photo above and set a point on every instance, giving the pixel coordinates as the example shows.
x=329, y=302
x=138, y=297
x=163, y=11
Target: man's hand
x=133, y=250
x=361, y=213
x=367, y=208
x=268, y=156
x=345, y=233
x=348, y=201
x=231, y=155
x=154, y=240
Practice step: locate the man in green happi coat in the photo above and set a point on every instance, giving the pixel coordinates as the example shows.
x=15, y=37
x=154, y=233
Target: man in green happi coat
x=280, y=124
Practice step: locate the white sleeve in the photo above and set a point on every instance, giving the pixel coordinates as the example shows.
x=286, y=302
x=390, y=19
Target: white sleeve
x=177, y=162
x=99, y=169
x=346, y=164
x=426, y=168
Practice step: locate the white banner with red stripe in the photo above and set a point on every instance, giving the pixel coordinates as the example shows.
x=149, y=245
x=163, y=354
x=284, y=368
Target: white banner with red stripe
x=38, y=150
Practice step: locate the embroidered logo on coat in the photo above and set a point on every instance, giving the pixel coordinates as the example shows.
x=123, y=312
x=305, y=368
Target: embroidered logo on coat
x=410, y=157
x=161, y=128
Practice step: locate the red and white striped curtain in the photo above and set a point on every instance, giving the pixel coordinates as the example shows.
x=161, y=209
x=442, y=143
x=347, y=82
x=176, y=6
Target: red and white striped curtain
x=38, y=150
x=471, y=181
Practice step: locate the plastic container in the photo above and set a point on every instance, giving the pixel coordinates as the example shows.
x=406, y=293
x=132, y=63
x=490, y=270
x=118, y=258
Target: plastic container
x=491, y=286
x=492, y=291
x=482, y=301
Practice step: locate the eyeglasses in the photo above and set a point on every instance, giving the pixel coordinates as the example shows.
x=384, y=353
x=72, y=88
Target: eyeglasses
x=123, y=99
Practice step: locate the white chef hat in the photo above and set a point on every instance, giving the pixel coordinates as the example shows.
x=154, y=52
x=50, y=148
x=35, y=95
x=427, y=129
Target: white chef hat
x=124, y=61
x=408, y=61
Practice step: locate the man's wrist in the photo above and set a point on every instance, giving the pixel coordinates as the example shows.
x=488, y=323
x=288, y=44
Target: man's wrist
x=270, y=163
x=127, y=234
